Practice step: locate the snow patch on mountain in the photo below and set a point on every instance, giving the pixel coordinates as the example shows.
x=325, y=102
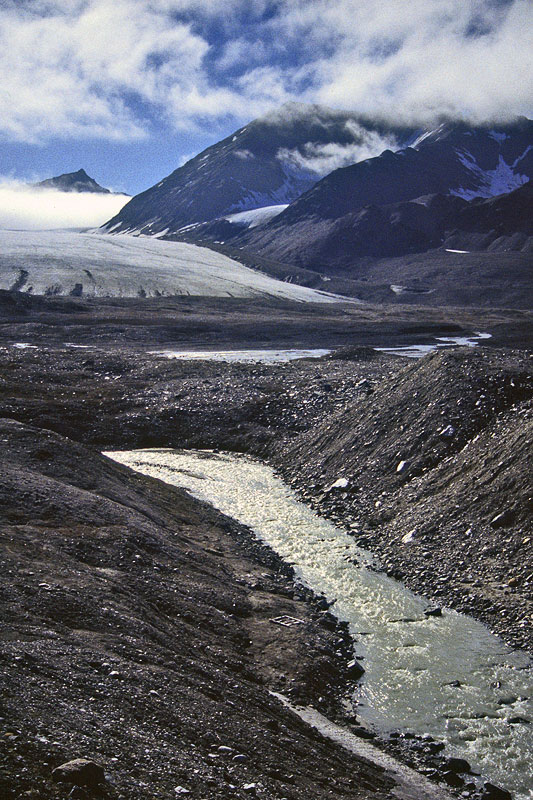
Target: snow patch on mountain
x=501, y=180
x=424, y=134
x=296, y=182
x=256, y=216
x=499, y=137
x=520, y=158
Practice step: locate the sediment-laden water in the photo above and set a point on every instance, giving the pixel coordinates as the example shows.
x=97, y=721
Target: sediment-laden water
x=419, y=350
x=447, y=676
x=271, y=356
x=267, y=356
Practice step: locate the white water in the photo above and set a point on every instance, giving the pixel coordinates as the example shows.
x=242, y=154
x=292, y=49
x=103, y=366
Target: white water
x=242, y=356
x=410, y=661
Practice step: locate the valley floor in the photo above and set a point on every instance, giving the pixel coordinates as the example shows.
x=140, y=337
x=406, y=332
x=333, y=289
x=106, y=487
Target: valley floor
x=139, y=619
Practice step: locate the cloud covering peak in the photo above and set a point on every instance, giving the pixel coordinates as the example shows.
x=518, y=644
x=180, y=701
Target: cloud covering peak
x=321, y=159
x=119, y=69
x=24, y=207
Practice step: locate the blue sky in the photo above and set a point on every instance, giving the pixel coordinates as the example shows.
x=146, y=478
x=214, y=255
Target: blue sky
x=128, y=89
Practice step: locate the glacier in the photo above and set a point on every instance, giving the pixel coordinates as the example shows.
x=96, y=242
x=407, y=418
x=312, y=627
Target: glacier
x=90, y=264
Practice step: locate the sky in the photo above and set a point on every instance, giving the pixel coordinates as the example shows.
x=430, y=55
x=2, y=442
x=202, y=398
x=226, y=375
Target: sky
x=130, y=89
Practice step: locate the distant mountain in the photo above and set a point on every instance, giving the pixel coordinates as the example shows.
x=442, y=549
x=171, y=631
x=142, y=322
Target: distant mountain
x=270, y=161
x=73, y=182
x=401, y=202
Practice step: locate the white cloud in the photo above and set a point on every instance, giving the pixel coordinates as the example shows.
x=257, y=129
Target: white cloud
x=25, y=207
x=83, y=68
x=322, y=159
x=468, y=58
x=115, y=68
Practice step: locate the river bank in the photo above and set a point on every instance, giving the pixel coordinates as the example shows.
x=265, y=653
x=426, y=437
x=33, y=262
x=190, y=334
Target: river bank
x=430, y=469
x=138, y=633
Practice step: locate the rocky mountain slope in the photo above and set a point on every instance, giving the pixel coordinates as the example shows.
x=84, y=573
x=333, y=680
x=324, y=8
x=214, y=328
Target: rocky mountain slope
x=73, y=182
x=270, y=161
x=501, y=223
x=454, y=187
x=381, y=206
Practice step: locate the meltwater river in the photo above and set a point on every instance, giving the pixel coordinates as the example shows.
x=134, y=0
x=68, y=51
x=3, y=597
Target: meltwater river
x=447, y=676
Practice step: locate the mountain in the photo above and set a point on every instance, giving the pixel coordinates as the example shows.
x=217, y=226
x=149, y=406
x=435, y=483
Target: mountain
x=73, y=182
x=504, y=222
x=385, y=206
x=270, y=161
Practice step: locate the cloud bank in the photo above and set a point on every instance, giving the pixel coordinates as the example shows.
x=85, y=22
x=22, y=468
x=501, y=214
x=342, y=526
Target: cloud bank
x=114, y=69
x=27, y=208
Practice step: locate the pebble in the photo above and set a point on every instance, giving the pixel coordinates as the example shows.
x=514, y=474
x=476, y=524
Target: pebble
x=447, y=432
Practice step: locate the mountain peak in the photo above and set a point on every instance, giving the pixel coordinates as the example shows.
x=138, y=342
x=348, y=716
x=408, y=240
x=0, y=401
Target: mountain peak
x=271, y=161
x=73, y=182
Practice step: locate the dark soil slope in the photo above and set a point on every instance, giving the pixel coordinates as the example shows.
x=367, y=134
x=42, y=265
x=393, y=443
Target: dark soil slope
x=502, y=223
x=499, y=223
x=439, y=453
x=136, y=632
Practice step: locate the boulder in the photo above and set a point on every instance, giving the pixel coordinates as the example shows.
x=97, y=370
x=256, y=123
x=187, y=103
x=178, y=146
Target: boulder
x=452, y=779
x=80, y=772
x=492, y=792
x=457, y=765
x=354, y=669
